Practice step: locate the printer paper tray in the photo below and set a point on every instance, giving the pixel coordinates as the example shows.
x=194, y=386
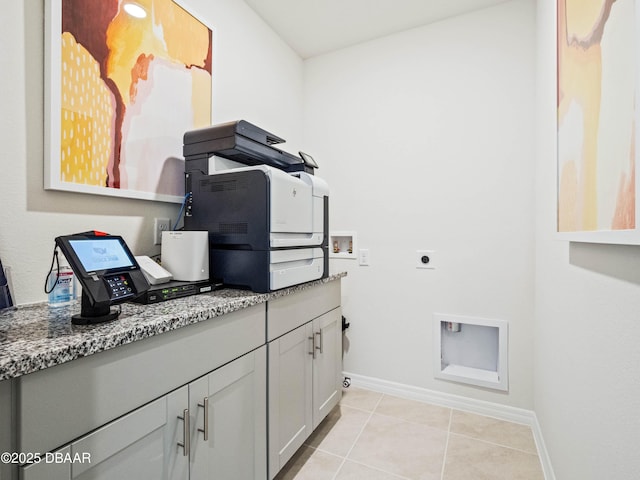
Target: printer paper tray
x=288, y=240
x=291, y=267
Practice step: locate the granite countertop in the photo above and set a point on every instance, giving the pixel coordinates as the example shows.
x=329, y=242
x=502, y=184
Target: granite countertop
x=36, y=337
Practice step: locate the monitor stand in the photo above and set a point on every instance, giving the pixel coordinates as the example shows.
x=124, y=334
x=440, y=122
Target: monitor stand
x=96, y=313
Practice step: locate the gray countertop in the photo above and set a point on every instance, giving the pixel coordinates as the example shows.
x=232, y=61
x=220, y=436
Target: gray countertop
x=36, y=337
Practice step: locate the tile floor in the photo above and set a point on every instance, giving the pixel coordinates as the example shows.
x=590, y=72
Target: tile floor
x=374, y=436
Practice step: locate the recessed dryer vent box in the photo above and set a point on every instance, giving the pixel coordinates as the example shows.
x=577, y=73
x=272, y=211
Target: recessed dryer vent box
x=471, y=350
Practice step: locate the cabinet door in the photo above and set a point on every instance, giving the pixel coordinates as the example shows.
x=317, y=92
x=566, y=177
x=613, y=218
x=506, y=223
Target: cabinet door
x=235, y=422
x=290, y=395
x=140, y=445
x=48, y=471
x=327, y=364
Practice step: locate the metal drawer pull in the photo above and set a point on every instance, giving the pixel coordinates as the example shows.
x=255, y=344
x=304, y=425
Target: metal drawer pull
x=205, y=431
x=186, y=446
x=321, y=342
x=313, y=346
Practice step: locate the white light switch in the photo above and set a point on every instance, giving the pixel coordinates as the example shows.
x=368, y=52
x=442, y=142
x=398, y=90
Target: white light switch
x=363, y=257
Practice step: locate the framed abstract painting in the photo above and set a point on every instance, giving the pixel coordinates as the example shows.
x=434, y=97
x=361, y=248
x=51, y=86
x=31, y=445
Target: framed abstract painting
x=124, y=81
x=597, y=114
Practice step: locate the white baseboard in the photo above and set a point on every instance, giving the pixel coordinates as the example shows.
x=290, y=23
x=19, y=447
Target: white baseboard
x=481, y=407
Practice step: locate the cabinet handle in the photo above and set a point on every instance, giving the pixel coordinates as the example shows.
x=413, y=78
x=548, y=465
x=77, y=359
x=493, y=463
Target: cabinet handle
x=205, y=431
x=321, y=341
x=186, y=429
x=313, y=346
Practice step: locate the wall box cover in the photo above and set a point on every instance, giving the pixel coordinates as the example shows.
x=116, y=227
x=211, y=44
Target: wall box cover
x=343, y=245
x=476, y=354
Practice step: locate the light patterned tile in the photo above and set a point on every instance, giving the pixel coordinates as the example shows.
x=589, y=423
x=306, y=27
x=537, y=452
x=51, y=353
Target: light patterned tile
x=357, y=471
x=360, y=398
x=468, y=459
x=405, y=439
x=310, y=464
x=413, y=411
x=338, y=432
x=493, y=430
x=400, y=447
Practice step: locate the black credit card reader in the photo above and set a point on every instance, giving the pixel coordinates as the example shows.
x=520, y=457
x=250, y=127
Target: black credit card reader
x=106, y=269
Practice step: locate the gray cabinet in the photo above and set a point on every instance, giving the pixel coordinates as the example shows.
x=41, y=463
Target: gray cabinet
x=45, y=471
x=120, y=396
x=327, y=364
x=290, y=395
x=305, y=368
x=142, y=444
x=7, y=427
x=174, y=438
x=229, y=414
x=85, y=394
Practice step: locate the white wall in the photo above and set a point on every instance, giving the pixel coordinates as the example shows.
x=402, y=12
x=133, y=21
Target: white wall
x=587, y=355
x=257, y=77
x=426, y=140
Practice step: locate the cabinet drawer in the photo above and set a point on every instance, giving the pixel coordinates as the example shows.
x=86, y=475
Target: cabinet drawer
x=62, y=403
x=287, y=313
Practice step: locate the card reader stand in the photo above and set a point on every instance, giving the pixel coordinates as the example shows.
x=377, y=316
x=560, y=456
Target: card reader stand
x=119, y=288
x=96, y=313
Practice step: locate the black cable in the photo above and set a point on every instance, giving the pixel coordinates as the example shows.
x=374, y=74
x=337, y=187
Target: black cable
x=46, y=280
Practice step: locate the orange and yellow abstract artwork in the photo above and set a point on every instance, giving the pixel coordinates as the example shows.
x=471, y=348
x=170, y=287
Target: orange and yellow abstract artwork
x=129, y=89
x=596, y=111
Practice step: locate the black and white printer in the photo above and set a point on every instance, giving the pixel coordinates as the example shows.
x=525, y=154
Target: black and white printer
x=266, y=212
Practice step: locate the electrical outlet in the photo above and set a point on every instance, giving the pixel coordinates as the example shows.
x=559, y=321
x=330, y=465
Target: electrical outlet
x=160, y=225
x=425, y=259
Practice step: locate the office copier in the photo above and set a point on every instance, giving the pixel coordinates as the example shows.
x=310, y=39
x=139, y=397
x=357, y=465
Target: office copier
x=266, y=212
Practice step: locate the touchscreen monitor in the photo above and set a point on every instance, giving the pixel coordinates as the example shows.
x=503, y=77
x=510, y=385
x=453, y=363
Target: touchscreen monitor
x=101, y=254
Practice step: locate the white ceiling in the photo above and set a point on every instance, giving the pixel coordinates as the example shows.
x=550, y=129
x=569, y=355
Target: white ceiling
x=313, y=27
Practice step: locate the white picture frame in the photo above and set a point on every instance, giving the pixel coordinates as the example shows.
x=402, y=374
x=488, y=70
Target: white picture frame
x=597, y=160
x=144, y=159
